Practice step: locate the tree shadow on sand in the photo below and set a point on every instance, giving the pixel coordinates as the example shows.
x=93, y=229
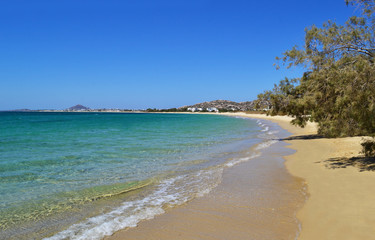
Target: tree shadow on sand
x=362, y=163
x=303, y=137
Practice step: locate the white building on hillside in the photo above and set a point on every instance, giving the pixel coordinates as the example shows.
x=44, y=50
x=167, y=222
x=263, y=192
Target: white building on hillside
x=212, y=109
x=192, y=109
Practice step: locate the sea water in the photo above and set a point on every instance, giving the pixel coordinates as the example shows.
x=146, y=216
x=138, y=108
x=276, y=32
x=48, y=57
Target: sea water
x=87, y=175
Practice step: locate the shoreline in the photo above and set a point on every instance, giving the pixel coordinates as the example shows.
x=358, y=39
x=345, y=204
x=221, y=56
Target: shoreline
x=256, y=199
x=340, y=203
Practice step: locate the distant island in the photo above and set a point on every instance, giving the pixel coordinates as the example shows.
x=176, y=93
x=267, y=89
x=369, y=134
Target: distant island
x=78, y=107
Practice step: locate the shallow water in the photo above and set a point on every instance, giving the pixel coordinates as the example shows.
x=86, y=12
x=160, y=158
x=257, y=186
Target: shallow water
x=256, y=199
x=86, y=175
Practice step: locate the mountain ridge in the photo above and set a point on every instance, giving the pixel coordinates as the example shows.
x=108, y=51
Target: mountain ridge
x=78, y=107
x=225, y=104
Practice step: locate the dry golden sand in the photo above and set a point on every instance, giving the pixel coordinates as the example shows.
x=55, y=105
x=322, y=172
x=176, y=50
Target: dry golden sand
x=342, y=200
x=341, y=203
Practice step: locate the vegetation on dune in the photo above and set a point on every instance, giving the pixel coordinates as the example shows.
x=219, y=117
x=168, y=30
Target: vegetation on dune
x=338, y=86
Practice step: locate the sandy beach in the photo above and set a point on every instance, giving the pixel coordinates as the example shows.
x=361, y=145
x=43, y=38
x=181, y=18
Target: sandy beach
x=340, y=204
x=341, y=201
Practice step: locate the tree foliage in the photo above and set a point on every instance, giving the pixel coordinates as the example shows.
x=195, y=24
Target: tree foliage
x=367, y=6
x=337, y=89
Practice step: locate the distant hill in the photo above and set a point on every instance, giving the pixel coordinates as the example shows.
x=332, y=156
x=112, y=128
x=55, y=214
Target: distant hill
x=78, y=107
x=225, y=104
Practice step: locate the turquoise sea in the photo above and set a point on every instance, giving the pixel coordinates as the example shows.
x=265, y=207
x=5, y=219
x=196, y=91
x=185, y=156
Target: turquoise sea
x=87, y=175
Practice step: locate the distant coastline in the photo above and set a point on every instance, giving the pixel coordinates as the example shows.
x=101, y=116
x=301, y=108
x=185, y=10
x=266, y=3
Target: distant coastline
x=74, y=111
x=212, y=106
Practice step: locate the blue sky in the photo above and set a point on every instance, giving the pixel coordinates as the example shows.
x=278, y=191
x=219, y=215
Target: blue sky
x=140, y=54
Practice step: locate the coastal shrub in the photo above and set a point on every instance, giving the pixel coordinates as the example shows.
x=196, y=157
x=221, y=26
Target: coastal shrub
x=368, y=147
x=337, y=88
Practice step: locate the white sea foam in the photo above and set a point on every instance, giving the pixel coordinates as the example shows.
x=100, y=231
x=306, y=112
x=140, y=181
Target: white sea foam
x=265, y=144
x=240, y=160
x=263, y=125
x=272, y=132
x=127, y=215
x=173, y=191
x=259, y=147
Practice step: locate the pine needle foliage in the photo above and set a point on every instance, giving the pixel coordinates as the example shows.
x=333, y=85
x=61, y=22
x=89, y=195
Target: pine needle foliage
x=337, y=90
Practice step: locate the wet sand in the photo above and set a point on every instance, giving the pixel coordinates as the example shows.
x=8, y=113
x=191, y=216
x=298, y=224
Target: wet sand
x=341, y=202
x=257, y=199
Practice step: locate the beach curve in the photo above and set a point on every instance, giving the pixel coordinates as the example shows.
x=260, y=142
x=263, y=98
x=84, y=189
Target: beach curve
x=340, y=203
x=256, y=199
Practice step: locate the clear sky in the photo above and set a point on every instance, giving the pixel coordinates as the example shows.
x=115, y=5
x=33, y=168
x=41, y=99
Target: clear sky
x=148, y=53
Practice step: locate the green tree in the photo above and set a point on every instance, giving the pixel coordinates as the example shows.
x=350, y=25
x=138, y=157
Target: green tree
x=280, y=98
x=337, y=89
